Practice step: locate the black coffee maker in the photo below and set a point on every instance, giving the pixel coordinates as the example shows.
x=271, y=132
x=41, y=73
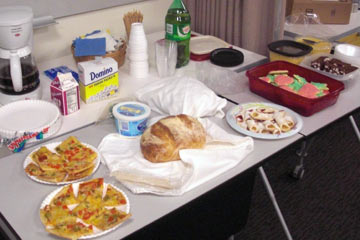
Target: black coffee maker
x=19, y=76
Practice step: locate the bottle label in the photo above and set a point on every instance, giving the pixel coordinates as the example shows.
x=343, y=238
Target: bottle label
x=178, y=32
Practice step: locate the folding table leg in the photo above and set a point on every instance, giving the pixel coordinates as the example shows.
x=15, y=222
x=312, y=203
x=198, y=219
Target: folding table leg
x=356, y=130
x=299, y=170
x=274, y=202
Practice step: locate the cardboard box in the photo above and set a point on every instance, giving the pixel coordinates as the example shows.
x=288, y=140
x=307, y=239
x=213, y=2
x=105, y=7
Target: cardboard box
x=329, y=11
x=64, y=91
x=99, y=79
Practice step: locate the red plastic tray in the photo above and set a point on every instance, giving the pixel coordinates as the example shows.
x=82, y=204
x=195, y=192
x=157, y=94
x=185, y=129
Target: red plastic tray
x=302, y=105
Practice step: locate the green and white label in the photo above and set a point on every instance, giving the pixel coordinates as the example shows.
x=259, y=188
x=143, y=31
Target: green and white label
x=178, y=32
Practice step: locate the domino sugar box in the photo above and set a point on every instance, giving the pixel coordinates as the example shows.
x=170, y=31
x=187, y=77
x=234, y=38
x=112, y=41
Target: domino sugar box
x=99, y=79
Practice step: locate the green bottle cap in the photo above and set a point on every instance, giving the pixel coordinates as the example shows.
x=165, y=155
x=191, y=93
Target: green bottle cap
x=178, y=4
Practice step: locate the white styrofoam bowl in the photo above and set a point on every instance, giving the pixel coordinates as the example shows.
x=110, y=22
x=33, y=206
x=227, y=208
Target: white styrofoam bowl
x=349, y=52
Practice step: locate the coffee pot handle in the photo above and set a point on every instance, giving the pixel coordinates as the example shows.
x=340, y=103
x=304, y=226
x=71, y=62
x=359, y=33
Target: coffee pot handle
x=15, y=71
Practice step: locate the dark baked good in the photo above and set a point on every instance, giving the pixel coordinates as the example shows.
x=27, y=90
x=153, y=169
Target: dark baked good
x=332, y=65
x=162, y=141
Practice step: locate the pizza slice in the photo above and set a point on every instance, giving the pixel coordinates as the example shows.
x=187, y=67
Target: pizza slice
x=71, y=229
x=74, y=167
x=65, y=198
x=113, y=197
x=68, y=144
x=91, y=190
x=109, y=218
x=79, y=175
x=87, y=211
x=47, y=160
x=74, y=150
x=82, y=153
x=48, y=176
x=52, y=215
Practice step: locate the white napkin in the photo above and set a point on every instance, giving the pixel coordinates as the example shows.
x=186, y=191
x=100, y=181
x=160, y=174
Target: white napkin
x=182, y=95
x=222, y=152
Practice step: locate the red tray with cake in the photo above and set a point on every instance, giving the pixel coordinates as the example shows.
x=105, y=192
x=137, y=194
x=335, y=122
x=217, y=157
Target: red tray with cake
x=295, y=87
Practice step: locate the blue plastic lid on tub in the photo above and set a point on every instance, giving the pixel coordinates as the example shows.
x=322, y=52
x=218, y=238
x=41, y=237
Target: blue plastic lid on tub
x=131, y=111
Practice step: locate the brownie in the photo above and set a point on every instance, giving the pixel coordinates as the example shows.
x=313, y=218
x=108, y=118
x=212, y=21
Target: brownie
x=332, y=65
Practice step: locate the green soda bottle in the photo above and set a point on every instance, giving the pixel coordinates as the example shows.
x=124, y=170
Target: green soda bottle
x=177, y=28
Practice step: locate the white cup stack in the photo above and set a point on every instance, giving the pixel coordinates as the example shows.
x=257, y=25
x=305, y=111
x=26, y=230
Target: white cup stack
x=138, y=51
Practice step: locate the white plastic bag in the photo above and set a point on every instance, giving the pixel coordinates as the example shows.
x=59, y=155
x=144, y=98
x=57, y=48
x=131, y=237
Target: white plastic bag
x=182, y=95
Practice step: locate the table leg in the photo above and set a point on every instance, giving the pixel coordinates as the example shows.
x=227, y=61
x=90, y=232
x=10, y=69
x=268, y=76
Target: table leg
x=274, y=202
x=299, y=169
x=356, y=130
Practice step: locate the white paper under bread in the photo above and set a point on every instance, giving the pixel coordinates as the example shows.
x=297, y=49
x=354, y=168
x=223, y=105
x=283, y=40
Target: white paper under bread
x=222, y=152
x=182, y=95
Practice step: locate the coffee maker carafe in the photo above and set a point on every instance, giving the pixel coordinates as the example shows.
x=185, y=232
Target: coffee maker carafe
x=19, y=76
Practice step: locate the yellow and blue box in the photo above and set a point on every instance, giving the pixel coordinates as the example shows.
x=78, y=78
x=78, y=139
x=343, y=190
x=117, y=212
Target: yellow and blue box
x=99, y=79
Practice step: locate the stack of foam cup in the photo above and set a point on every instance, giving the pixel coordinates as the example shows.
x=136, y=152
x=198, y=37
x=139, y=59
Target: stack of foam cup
x=138, y=51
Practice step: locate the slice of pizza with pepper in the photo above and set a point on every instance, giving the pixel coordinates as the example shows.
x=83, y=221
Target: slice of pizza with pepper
x=79, y=175
x=91, y=190
x=74, y=167
x=48, y=176
x=113, y=197
x=52, y=215
x=109, y=218
x=47, y=160
x=71, y=229
x=65, y=198
x=74, y=150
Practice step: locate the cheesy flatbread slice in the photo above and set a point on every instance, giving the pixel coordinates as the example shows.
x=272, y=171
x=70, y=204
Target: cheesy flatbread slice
x=74, y=167
x=79, y=175
x=73, y=149
x=64, y=198
x=109, y=218
x=48, y=176
x=81, y=154
x=92, y=189
x=70, y=230
x=51, y=215
x=47, y=160
x=68, y=144
x=113, y=197
x=88, y=211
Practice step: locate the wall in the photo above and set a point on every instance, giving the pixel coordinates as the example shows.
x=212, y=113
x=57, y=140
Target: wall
x=54, y=41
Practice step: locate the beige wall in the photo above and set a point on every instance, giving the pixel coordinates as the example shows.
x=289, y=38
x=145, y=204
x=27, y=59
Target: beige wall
x=54, y=41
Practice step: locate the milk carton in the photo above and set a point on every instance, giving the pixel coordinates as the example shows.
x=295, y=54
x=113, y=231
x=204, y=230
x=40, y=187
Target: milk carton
x=99, y=79
x=64, y=91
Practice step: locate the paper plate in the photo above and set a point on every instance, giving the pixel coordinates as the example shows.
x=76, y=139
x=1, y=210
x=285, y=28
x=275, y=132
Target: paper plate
x=206, y=44
x=125, y=208
x=51, y=147
x=29, y=117
x=230, y=118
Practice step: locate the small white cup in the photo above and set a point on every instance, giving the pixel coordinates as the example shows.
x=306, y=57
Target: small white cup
x=138, y=47
x=139, y=72
x=139, y=64
x=137, y=27
x=138, y=56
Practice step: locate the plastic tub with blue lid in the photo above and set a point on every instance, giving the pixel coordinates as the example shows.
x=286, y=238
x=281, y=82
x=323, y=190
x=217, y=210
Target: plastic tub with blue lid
x=131, y=118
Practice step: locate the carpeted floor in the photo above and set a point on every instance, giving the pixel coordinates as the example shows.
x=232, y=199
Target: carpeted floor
x=325, y=204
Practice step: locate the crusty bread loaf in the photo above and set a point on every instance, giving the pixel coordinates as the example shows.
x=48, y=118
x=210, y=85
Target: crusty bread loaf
x=162, y=141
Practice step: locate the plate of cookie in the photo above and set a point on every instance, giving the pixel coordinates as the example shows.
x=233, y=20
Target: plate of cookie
x=84, y=210
x=61, y=163
x=264, y=120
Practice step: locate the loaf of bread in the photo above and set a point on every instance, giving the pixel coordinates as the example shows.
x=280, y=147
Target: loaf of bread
x=162, y=141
